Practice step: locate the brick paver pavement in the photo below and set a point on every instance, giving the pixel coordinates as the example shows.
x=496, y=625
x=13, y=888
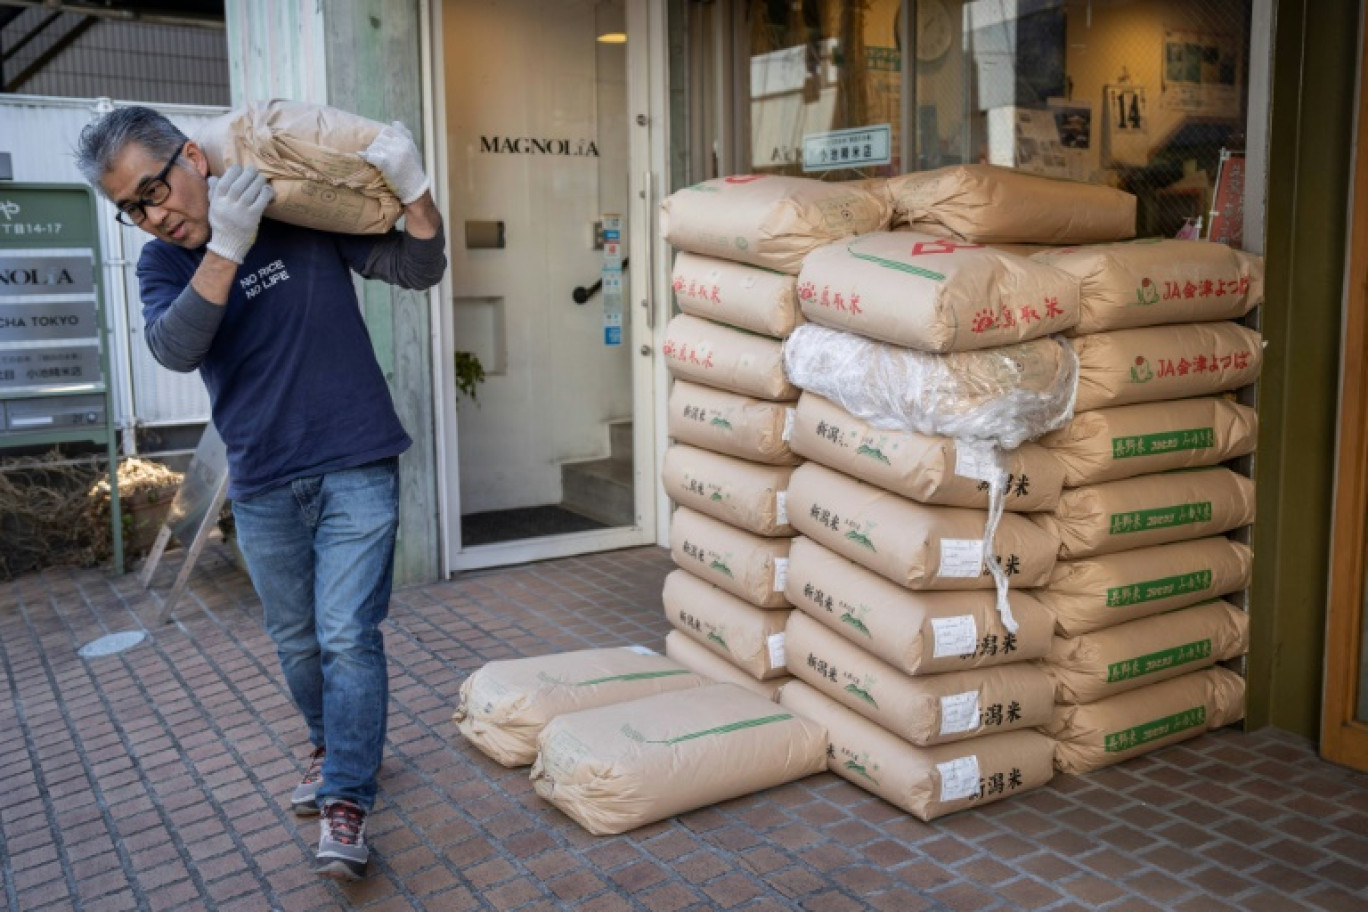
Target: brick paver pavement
x=157, y=779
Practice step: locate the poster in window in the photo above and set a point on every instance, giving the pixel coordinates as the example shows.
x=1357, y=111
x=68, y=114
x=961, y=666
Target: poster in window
x=1199, y=73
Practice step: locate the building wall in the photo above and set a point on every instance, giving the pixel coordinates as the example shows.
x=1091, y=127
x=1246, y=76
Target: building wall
x=165, y=64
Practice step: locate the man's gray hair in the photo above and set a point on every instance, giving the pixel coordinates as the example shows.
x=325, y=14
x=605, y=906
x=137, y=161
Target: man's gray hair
x=103, y=140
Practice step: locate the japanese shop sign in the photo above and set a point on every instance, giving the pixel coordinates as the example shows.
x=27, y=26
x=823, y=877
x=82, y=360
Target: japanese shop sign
x=848, y=148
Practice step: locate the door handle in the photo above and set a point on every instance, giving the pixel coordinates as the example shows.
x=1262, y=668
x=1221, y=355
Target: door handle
x=648, y=196
x=581, y=295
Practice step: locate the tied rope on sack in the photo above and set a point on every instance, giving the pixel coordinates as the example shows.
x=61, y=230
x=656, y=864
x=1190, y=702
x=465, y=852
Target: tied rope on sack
x=989, y=401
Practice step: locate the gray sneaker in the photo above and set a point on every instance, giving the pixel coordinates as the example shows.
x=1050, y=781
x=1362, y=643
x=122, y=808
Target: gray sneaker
x=342, y=851
x=304, y=798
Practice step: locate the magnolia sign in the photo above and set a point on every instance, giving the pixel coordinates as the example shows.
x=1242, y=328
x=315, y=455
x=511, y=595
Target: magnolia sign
x=531, y=145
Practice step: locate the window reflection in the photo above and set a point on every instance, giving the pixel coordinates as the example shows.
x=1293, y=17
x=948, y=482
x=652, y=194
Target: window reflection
x=1138, y=94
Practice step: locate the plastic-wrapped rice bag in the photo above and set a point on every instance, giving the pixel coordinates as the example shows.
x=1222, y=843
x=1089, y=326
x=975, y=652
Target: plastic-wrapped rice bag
x=1004, y=396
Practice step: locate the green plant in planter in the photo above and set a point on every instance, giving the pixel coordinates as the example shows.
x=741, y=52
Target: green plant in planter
x=469, y=374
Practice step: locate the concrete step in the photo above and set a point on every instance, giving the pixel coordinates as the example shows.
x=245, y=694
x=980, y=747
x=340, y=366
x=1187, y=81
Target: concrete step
x=600, y=489
x=620, y=439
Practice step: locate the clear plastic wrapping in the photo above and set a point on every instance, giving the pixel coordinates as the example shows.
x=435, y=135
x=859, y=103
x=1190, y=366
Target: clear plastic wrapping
x=1001, y=396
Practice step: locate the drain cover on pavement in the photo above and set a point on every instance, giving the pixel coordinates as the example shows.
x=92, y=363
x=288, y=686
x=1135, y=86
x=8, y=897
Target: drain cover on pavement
x=112, y=643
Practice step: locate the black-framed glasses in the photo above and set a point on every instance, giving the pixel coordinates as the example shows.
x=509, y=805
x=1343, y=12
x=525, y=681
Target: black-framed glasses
x=154, y=193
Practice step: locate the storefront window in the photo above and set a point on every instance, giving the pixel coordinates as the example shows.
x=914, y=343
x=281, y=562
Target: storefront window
x=826, y=87
x=1139, y=94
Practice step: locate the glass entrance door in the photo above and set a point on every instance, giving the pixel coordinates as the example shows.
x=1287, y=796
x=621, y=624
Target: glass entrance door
x=551, y=373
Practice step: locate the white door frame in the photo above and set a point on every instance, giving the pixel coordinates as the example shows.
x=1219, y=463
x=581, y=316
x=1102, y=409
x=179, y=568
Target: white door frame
x=647, y=289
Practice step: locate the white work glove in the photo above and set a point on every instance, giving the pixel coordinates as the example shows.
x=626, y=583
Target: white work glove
x=236, y=202
x=399, y=161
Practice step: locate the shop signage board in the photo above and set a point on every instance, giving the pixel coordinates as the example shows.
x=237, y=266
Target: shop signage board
x=54, y=354
x=856, y=148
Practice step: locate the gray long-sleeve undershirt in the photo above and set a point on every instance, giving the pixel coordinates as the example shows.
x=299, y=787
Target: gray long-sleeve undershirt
x=181, y=337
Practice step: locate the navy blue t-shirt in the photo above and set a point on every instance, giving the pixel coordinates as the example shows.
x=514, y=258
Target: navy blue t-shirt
x=292, y=377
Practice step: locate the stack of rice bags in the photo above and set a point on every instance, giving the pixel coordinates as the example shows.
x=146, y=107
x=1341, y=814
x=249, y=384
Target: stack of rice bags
x=730, y=411
x=1142, y=524
x=740, y=242
x=1158, y=354
x=928, y=363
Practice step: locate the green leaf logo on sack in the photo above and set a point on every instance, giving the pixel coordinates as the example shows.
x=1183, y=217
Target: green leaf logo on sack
x=873, y=453
x=860, y=769
x=863, y=692
x=860, y=538
x=716, y=637
x=721, y=422
x=1147, y=293
x=1141, y=371
x=721, y=567
x=853, y=621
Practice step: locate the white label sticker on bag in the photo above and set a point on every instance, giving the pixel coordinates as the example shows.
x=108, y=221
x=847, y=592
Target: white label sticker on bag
x=959, y=778
x=781, y=507
x=972, y=464
x=959, y=712
x=778, y=658
x=789, y=415
x=961, y=557
x=953, y=636
x=780, y=573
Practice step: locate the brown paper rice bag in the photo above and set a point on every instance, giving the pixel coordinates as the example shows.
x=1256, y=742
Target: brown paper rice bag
x=931, y=470
x=1095, y=592
x=505, y=704
x=1148, y=510
x=731, y=423
x=1114, y=660
x=1157, y=281
x=990, y=204
x=1165, y=362
x=726, y=358
x=927, y=782
x=768, y=220
x=746, y=297
x=703, y=661
x=933, y=294
x=914, y=545
x=1113, y=443
x=309, y=154
x=748, y=637
x=926, y=709
x=747, y=565
x=624, y=766
x=915, y=632
x=1095, y=735
x=747, y=495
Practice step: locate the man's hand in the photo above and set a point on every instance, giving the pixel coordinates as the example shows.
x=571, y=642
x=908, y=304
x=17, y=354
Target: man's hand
x=236, y=202
x=400, y=163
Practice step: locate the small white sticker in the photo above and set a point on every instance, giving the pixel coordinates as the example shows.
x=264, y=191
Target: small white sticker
x=961, y=557
x=959, y=712
x=953, y=636
x=641, y=650
x=781, y=507
x=777, y=656
x=789, y=415
x=780, y=574
x=971, y=462
x=959, y=778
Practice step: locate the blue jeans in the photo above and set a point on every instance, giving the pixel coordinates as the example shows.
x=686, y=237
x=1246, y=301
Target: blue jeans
x=320, y=551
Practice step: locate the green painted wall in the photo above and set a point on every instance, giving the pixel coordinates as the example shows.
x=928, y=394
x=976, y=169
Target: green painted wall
x=374, y=52
x=1315, y=47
